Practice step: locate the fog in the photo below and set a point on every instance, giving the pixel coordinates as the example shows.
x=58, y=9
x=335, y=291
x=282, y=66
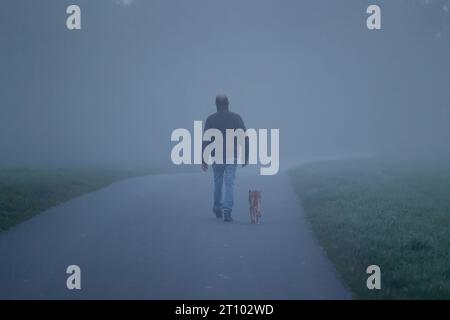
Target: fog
x=109, y=95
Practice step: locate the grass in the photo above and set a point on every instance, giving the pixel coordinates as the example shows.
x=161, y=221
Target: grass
x=389, y=214
x=26, y=192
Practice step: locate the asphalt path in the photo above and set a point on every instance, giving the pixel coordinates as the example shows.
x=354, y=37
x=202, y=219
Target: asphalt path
x=155, y=237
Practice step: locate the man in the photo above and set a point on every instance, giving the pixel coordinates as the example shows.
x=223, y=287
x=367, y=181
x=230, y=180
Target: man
x=225, y=173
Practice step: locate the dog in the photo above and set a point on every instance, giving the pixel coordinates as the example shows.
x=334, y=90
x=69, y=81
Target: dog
x=254, y=199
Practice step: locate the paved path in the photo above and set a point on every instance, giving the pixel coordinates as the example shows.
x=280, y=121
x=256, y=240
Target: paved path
x=155, y=237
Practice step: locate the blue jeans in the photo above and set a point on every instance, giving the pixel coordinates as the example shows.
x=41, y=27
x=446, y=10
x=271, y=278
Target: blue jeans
x=224, y=174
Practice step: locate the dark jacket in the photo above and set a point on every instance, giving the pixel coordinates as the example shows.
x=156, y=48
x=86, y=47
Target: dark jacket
x=222, y=120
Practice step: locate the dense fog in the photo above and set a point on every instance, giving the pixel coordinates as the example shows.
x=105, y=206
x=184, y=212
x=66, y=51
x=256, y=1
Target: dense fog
x=110, y=94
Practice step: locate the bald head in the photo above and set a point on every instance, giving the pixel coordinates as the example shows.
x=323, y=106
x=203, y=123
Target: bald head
x=222, y=102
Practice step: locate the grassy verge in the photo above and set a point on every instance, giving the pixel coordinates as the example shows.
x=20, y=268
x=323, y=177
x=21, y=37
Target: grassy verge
x=26, y=192
x=393, y=215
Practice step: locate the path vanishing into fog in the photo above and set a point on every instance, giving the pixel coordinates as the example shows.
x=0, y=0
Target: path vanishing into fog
x=155, y=237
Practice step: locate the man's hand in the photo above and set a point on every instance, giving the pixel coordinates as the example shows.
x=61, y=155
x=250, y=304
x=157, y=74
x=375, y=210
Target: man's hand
x=204, y=167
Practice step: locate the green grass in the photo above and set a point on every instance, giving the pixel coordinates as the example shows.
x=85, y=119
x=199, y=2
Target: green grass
x=26, y=192
x=389, y=214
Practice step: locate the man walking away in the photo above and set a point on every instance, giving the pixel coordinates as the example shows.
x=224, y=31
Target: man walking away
x=225, y=173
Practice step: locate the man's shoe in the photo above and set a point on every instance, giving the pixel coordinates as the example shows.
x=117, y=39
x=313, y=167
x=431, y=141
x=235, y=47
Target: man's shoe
x=218, y=213
x=227, y=217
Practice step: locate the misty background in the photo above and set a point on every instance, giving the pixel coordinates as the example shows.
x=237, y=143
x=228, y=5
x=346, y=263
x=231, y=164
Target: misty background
x=110, y=95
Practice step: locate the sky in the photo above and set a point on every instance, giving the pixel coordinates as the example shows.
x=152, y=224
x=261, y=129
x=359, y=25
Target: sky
x=110, y=94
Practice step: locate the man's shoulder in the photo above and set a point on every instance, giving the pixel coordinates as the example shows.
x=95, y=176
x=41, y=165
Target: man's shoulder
x=234, y=114
x=211, y=116
x=220, y=116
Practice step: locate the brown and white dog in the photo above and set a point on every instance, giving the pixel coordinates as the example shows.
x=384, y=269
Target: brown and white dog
x=254, y=199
